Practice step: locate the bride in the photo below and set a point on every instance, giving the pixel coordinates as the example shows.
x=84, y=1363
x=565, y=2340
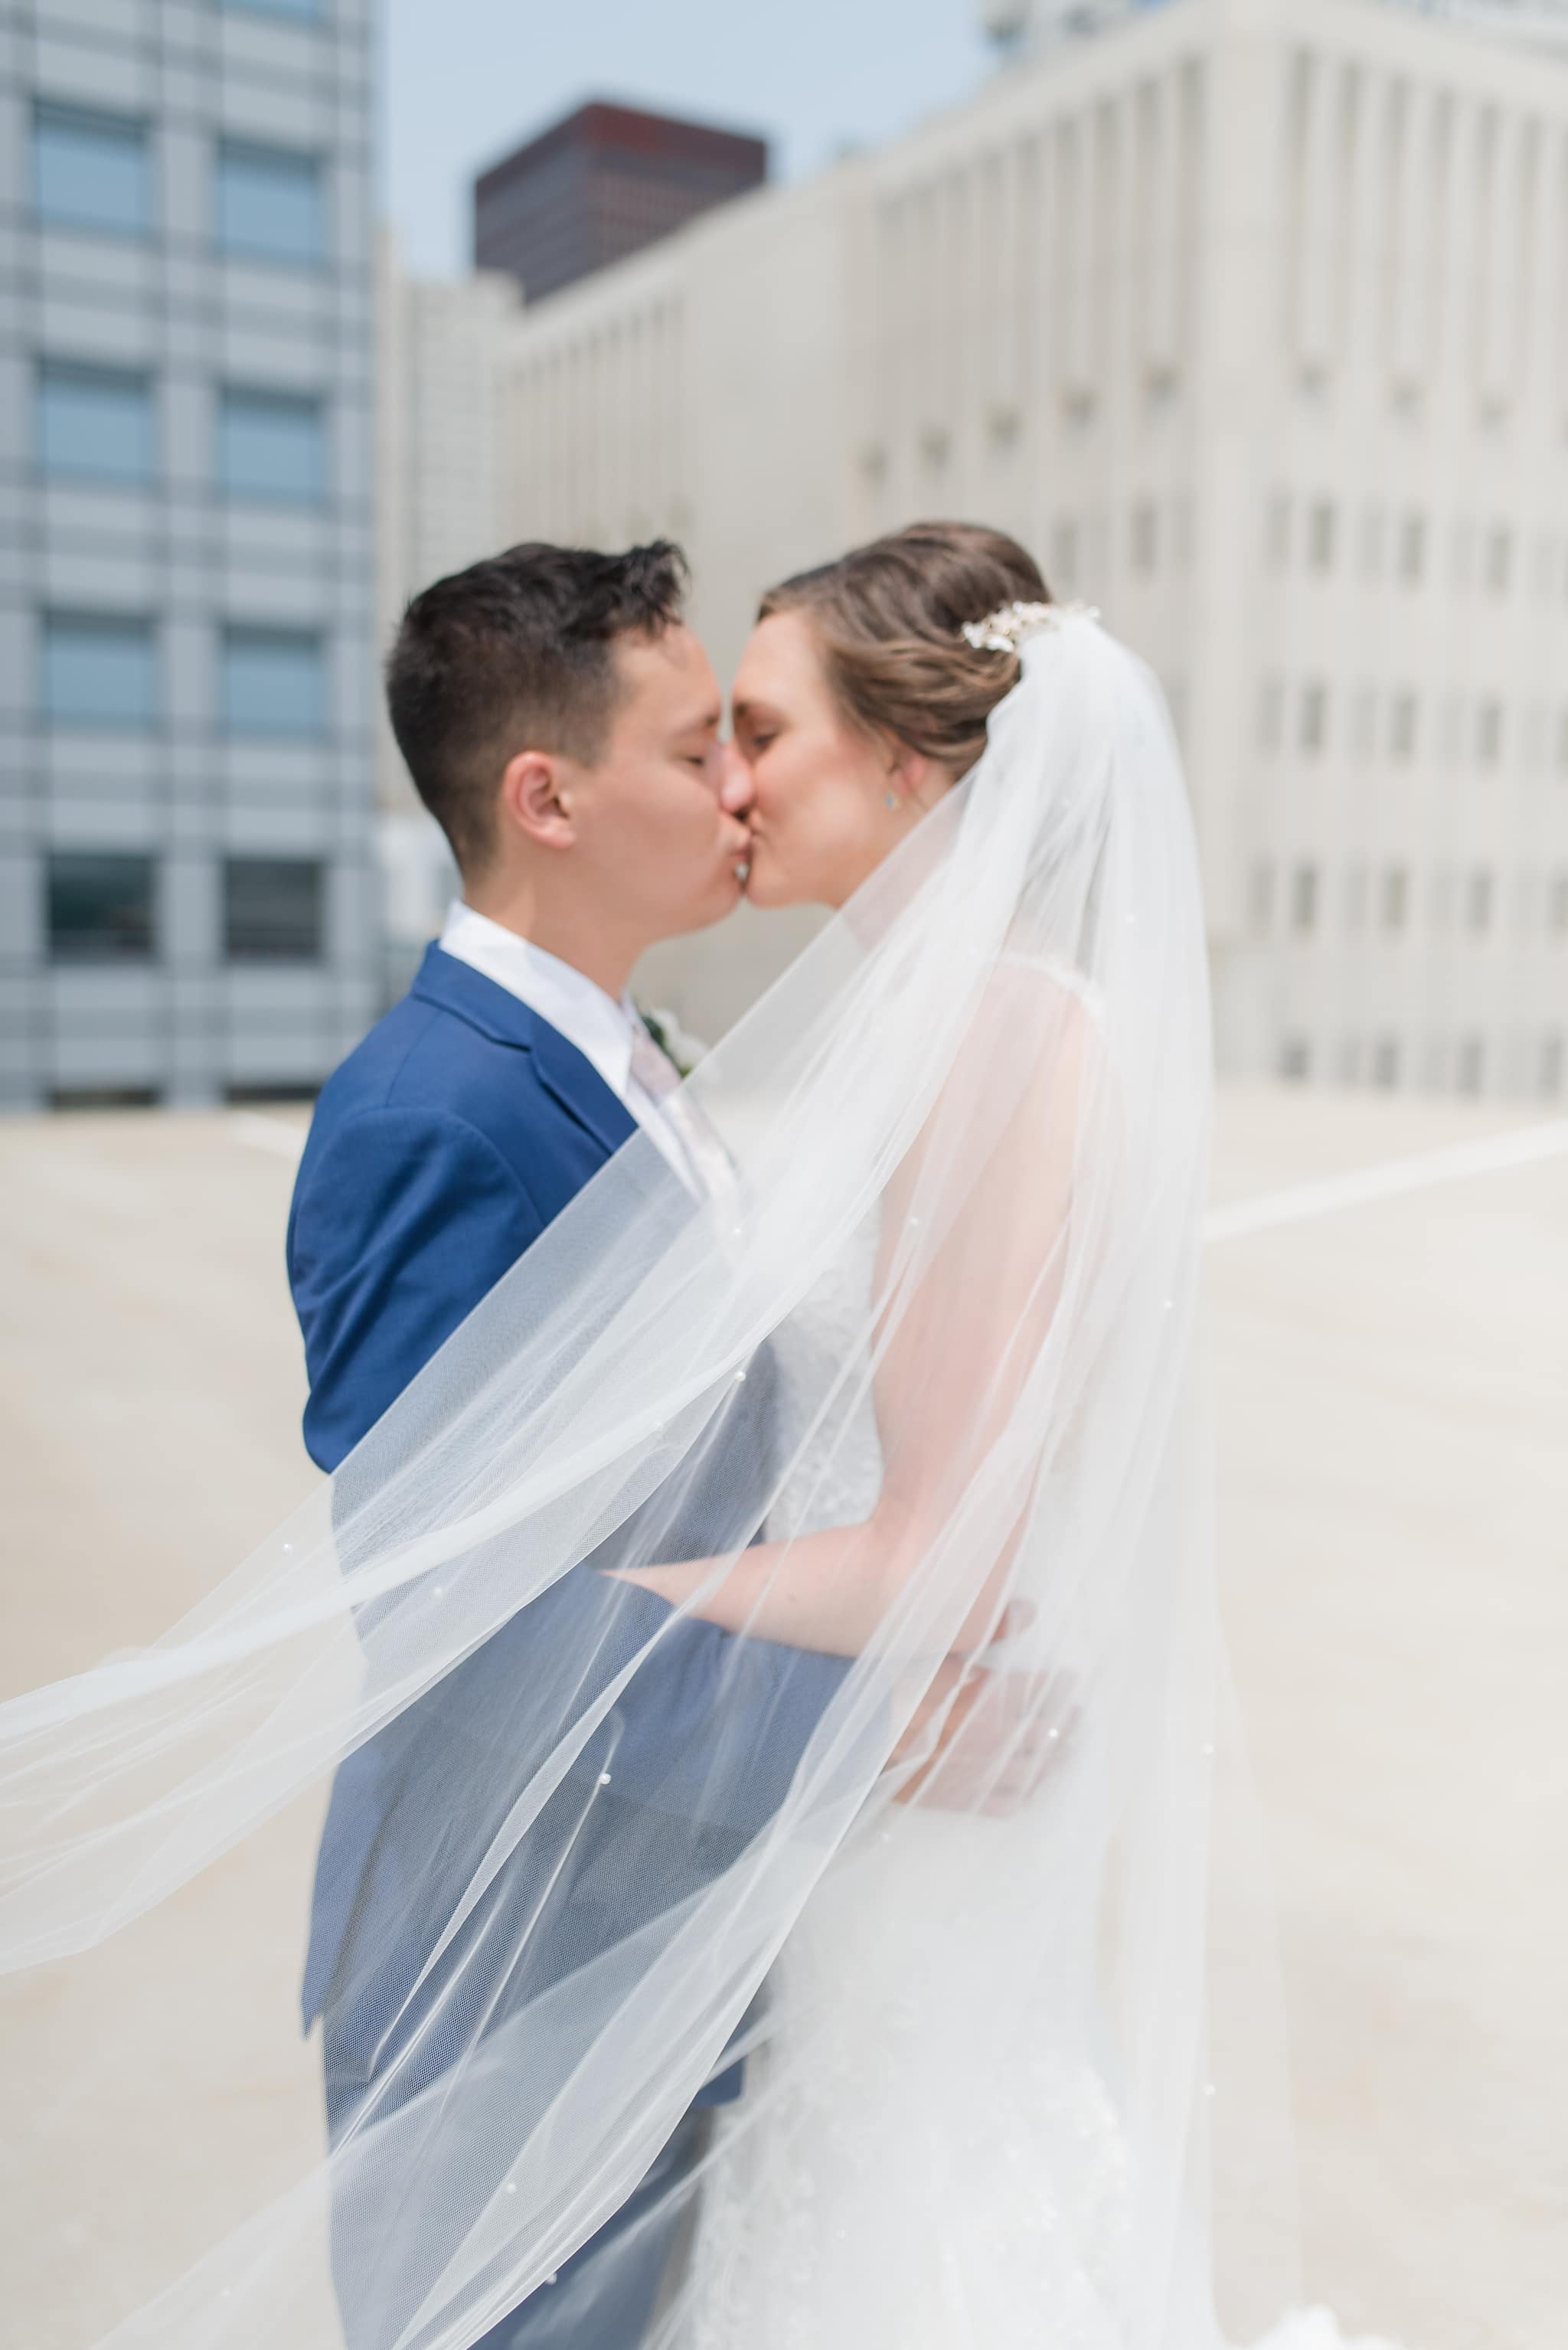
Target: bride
x=929, y=2151
x=955, y=1251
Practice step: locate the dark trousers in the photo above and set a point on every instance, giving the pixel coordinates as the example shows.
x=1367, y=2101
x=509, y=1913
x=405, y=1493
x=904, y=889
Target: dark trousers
x=603, y=2296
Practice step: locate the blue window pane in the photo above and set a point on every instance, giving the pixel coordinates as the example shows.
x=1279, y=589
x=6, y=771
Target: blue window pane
x=275, y=682
x=96, y=421
x=91, y=170
x=98, y=672
x=272, y=909
x=100, y=908
x=271, y=445
x=270, y=205
x=302, y=11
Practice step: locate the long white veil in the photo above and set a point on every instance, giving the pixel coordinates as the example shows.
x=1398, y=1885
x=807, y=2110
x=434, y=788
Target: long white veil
x=597, y=1819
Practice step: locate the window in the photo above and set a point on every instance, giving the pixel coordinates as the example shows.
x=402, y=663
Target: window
x=274, y=682
x=1473, y=1064
x=1321, y=535
x=1263, y=899
x=1145, y=536
x=1304, y=897
x=304, y=12
x=1295, y=1060
x=1065, y=553
x=1499, y=560
x=1488, y=734
x=1396, y=897
x=1314, y=717
x=99, y=908
x=272, y=909
x=1402, y=727
x=1478, y=897
x=91, y=170
x=1412, y=549
x=1386, y=1061
x=1562, y=742
x=97, y=671
x=270, y=205
x=94, y=423
x=271, y=444
x=1557, y=905
x=936, y=447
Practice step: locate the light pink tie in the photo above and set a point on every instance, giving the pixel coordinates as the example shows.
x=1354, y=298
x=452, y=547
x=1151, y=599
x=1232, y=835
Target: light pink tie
x=658, y=1075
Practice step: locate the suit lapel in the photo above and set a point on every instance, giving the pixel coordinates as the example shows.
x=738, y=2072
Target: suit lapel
x=577, y=1085
x=567, y=1076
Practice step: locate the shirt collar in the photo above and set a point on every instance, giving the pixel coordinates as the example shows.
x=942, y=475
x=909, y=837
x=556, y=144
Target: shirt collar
x=575, y=1006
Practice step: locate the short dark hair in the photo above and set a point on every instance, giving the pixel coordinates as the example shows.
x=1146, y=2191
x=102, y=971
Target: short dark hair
x=517, y=653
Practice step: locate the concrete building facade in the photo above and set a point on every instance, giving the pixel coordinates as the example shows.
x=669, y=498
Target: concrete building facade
x=1252, y=317
x=187, y=904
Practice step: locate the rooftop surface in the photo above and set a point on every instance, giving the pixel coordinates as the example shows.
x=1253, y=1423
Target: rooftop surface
x=1389, y=1377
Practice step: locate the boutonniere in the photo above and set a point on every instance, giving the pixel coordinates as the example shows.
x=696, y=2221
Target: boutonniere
x=675, y=1041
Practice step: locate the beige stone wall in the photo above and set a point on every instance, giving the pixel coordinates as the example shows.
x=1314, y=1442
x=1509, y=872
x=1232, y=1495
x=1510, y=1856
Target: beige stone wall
x=1250, y=317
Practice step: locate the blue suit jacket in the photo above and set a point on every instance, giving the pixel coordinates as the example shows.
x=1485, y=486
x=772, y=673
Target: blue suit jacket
x=439, y=1150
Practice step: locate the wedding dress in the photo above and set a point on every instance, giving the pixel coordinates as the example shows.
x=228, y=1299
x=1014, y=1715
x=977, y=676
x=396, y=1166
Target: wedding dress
x=899, y=2175
x=880, y=2093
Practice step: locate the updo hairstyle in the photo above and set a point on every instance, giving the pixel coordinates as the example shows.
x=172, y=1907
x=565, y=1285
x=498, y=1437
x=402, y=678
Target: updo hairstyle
x=888, y=620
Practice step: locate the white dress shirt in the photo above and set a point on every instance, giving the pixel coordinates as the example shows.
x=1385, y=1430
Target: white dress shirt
x=605, y=1033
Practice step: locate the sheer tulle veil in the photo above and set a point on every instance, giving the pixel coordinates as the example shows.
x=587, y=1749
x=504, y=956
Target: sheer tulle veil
x=993, y=1071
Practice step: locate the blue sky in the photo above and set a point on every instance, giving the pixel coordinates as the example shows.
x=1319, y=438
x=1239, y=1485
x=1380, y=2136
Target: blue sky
x=466, y=79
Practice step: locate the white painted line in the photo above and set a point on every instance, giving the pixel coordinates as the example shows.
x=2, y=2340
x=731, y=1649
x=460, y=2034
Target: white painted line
x=1523, y=1146
x=274, y=1134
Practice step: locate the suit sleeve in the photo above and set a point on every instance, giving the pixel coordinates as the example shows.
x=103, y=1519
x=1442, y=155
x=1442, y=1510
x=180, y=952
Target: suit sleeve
x=401, y=1224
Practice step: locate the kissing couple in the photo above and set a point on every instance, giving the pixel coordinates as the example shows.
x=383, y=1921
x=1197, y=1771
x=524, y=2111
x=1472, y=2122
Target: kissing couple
x=760, y=1625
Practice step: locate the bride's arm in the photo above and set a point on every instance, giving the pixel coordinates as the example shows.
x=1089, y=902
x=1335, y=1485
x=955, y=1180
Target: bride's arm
x=961, y=1321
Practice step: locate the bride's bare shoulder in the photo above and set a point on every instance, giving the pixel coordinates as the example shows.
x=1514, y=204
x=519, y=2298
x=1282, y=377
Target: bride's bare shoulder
x=1052, y=978
x=1039, y=998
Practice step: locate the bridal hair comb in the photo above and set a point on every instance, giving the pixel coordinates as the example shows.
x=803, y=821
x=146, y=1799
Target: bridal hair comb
x=1002, y=631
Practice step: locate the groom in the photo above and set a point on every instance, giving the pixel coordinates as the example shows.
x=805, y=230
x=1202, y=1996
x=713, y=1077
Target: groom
x=561, y=724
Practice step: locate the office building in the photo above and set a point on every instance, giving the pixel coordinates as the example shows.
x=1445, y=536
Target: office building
x=187, y=889
x=601, y=185
x=1252, y=317
x=443, y=449
x=1023, y=24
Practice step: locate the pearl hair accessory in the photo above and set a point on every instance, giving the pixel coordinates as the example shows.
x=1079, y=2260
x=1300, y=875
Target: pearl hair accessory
x=1004, y=631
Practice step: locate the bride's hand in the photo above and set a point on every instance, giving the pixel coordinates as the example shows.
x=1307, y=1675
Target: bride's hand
x=982, y=1741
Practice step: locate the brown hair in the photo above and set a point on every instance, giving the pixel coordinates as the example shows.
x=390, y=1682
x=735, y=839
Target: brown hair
x=889, y=620
x=517, y=653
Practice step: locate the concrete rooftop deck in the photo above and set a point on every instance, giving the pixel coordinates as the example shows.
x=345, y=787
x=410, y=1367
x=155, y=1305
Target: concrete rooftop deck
x=1390, y=1383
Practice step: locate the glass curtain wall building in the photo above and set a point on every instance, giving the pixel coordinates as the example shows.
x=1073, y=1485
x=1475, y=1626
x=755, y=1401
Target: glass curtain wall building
x=188, y=903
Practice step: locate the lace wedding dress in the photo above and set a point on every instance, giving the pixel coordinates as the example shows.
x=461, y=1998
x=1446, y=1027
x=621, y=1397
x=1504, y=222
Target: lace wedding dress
x=899, y=2175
